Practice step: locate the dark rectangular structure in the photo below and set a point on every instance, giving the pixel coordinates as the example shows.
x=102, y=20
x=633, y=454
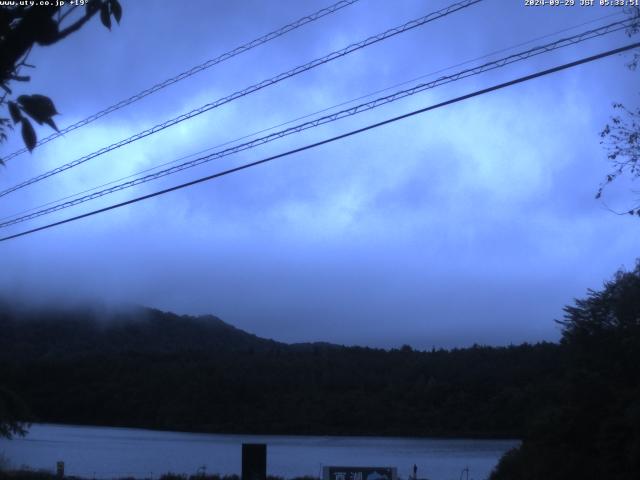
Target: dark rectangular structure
x=254, y=461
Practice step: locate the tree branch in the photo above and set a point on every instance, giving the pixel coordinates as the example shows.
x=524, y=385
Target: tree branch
x=77, y=24
x=65, y=14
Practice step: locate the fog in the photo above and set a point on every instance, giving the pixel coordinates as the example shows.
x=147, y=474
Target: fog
x=474, y=223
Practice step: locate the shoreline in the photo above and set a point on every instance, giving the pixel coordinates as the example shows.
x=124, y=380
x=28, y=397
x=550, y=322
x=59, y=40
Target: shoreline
x=282, y=434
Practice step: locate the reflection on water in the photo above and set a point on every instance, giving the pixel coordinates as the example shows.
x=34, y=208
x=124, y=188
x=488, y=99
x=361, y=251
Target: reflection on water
x=102, y=452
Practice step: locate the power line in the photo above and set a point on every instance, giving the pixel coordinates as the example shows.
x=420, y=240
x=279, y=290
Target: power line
x=332, y=139
x=521, y=56
x=192, y=71
x=258, y=86
x=326, y=109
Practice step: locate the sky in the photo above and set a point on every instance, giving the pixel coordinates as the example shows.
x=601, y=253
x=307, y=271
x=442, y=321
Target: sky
x=472, y=223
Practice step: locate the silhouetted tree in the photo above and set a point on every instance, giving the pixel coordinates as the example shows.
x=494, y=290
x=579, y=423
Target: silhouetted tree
x=22, y=27
x=593, y=430
x=13, y=414
x=621, y=137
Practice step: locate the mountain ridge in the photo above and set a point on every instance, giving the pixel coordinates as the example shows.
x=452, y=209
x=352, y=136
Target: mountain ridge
x=138, y=328
x=151, y=369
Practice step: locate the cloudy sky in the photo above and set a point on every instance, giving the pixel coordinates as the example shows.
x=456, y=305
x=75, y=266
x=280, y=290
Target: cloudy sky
x=474, y=223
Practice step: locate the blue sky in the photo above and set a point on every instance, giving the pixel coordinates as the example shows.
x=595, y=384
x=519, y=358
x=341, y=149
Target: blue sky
x=472, y=223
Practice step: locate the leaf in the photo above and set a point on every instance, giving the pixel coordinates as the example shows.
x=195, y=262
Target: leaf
x=52, y=124
x=2, y=162
x=104, y=15
x=116, y=10
x=39, y=107
x=28, y=134
x=46, y=30
x=14, y=110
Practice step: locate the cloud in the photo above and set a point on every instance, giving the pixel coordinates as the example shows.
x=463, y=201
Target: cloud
x=472, y=223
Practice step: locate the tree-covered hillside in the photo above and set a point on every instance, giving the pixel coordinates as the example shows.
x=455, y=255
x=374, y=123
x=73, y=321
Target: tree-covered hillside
x=591, y=430
x=152, y=369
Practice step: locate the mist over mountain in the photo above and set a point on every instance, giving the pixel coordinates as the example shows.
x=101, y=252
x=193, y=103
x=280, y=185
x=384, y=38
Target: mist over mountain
x=142, y=367
x=46, y=330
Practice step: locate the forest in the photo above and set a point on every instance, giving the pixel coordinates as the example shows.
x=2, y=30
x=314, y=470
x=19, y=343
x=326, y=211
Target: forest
x=151, y=369
x=591, y=428
x=575, y=404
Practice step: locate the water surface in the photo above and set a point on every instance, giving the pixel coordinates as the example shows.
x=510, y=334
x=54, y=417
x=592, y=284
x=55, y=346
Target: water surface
x=102, y=452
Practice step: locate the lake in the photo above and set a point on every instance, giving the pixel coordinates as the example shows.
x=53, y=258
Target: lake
x=102, y=452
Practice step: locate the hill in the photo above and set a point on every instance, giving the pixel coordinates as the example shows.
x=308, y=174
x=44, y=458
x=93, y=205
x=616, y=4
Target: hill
x=57, y=332
x=146, y=368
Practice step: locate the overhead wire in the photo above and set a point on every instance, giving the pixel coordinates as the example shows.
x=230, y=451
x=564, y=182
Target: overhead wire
x=331, y=139
x=192, y=71
x=521, y=56
x=326, y=109
x=288, y=122
x=253, y=88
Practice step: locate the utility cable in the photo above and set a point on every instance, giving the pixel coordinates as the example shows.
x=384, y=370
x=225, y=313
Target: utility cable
x=258, y=86
x=332, y=139
x=192, y=71
x=308, y=115
x=616, y=26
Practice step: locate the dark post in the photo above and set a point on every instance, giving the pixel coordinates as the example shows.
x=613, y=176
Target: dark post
x=60, y=469
x=254, y=461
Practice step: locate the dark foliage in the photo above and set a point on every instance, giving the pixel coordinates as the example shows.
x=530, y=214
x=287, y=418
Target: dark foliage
x=152, y=369
x=593, y=430
x=13, y=414
x=22, y=27
x=621, y=137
